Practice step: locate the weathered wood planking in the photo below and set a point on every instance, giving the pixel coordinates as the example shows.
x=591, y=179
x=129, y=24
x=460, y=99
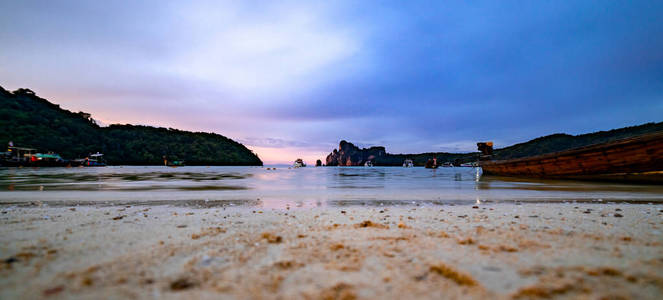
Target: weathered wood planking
x=633, y=159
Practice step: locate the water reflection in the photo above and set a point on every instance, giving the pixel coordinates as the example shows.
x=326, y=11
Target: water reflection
x=357, y=178
x=303, y=187
x=120, y=179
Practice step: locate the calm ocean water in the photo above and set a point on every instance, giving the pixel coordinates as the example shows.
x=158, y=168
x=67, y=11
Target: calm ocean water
x=303, y=187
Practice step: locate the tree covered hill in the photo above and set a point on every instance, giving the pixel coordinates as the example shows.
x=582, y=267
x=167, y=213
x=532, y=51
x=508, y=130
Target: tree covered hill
x=560, y=141
x=31, y=121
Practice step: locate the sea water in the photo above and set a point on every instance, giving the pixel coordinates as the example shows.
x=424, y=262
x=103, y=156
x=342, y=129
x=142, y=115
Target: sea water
x=285, y=187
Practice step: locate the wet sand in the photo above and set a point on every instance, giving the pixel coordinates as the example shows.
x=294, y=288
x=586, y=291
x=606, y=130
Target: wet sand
x=430, y=252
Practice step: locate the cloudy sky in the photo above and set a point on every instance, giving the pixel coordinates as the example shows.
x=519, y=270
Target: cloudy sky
x=291, y=78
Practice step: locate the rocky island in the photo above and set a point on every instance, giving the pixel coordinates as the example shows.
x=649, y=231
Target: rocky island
x=350, y=155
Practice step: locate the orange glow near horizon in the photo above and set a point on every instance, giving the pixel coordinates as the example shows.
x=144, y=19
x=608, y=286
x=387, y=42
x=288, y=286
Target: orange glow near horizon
x=268, y=155
x=286, y=155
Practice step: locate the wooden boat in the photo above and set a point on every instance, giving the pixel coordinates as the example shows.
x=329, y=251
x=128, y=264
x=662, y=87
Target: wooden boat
x=637, y=159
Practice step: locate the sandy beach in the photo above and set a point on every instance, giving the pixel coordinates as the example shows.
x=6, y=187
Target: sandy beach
x=492, y=250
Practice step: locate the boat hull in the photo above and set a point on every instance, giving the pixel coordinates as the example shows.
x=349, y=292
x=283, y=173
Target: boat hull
x=638, y=159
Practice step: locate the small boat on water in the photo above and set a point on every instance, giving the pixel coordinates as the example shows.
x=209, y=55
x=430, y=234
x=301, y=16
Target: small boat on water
x=447, y=165
x=93, y=160
x=172, y=163
x=27, y=157
x=431, y=164
x=299, y=163
x=636, y=159
x=17, y=156
x=96, y=160
x=408, y=163
x=48, y=160
x=368, y=164
x=175, y=163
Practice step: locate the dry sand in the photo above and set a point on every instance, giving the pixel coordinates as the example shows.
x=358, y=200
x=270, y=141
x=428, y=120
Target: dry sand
x=487, y=251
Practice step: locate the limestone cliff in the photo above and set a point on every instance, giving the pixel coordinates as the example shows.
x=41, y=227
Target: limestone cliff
x=348, y=154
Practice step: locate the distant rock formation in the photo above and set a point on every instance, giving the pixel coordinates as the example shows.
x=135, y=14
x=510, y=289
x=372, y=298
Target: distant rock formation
x=318, y=163
x=348, y=154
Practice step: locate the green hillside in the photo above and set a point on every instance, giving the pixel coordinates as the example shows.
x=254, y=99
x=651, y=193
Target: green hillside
x=560, y=142
x=31, y=121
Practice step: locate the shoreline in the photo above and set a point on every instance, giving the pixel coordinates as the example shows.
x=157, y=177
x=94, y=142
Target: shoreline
x=497, y=250
x=273, y=204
